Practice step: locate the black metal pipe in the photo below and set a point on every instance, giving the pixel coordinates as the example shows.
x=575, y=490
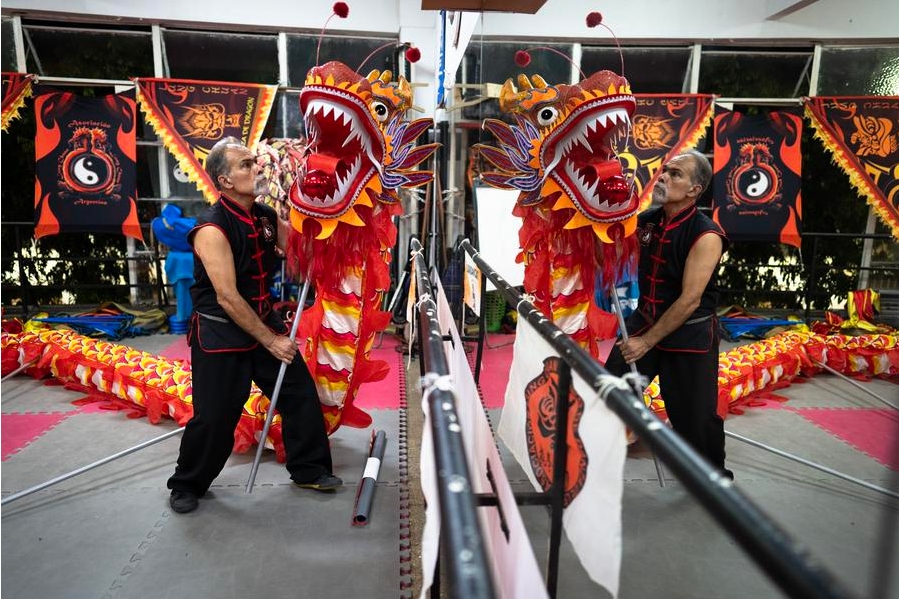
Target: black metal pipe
x=468, y=573
x=789, y=564
x=557, y=492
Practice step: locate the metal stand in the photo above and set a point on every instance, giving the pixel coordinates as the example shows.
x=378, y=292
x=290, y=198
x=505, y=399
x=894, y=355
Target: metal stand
x=391, y=306
x=811, y=464
x=854, y=383
x=623, y=328
x=106, y=460
x=274, y=399
x=18, y=370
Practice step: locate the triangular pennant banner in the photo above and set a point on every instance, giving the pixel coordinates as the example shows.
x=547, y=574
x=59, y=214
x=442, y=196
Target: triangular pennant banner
x=85, y=175
x=758, y=176
x=862, y=133
x=16, y=87
x=191, y=116
x=663, y=126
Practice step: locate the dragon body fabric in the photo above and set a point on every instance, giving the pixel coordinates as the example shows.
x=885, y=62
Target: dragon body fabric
x=341, y=185
x=578, y=211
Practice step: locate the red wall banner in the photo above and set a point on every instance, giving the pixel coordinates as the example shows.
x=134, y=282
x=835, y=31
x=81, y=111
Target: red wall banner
x=758, y=176
x=85, y=175
x=663, y=126
x=191, y=116
x=862, y=133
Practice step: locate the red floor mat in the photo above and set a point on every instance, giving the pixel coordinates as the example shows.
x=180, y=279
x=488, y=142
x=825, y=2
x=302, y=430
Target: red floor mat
x=497, y=361
x=18, y=430
x=384, y=394
x=872, y=431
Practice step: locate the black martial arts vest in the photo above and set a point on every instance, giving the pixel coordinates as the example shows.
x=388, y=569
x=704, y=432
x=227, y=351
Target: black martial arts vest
x=664, y=246
x=252, y=235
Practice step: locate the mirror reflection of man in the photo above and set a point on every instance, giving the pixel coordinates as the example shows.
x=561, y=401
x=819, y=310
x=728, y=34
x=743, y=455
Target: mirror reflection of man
x=673, y=333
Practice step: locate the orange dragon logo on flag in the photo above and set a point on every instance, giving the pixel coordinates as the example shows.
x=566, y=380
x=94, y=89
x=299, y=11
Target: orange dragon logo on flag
x=207, y=121
x=542, y=396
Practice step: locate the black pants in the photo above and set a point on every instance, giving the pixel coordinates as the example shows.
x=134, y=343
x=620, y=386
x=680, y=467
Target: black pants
x=689, y=385
x=221, y=386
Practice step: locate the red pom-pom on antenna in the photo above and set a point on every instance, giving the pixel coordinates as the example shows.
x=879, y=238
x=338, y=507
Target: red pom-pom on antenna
x=413, y=54
x=341, y=9
x=522, y=58
x=593, y=19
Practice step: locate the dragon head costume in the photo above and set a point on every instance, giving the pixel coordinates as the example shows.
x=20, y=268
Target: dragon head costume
x=578, y=210
x=340, y=186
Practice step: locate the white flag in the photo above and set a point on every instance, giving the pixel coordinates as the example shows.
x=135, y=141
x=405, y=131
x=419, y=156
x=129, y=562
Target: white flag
x=596, y=452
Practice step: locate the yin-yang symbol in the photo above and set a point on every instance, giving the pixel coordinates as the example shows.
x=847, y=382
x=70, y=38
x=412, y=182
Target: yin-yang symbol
x=179, y=174
x=754, y=183
x=89, y=171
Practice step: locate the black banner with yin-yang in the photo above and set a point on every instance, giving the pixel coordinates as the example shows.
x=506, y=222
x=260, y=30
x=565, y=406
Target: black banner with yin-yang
x=758, y=176
x=85, y=175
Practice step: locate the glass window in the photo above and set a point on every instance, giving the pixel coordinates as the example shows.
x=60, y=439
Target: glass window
x=239, y=58
x=7, y=40
x=649, y=70
x=100, y=54
x=285, y=119
x=301, y=53
x=859, y=71
x=494, y=62
x=755, y=73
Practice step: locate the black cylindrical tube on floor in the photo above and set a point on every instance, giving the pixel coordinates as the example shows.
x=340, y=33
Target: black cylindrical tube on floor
x=369, y=479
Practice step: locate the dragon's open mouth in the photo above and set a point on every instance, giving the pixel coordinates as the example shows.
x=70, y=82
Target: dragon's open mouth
x=583, y=160
x=344, y=154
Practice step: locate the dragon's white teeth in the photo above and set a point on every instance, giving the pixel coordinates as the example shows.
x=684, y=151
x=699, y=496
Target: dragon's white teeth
x=353, y=135
x=582, y=139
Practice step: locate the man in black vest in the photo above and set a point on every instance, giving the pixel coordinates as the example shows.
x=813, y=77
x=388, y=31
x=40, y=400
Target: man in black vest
x=236, y=338
x=674, y=331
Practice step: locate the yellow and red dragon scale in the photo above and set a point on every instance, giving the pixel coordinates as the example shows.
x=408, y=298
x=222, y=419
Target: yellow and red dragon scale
x=127, y=379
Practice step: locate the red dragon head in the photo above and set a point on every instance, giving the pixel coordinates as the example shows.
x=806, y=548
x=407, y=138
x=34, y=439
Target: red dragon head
x=563, y=150
x=361, y=148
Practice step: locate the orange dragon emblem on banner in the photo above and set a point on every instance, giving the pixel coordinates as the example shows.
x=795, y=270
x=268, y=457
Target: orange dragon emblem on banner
x=542, y=397
x=207, y=121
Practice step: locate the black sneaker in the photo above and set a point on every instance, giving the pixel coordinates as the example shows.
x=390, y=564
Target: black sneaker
x=183, y=501
x=325, y=482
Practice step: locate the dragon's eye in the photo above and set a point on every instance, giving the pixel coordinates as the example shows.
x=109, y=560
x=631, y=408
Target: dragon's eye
x=381, y=111
x=547, y=115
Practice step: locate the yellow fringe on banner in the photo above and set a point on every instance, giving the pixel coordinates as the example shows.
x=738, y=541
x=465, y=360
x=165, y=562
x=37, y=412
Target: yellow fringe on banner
x=859, y=181
x=13, y=109
x=189, y=163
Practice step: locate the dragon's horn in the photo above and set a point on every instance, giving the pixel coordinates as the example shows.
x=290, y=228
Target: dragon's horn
x=373, y=75
x=539, y=82
x=523, y=82
x=509, y=97
x=405, y=90
x=386, y=77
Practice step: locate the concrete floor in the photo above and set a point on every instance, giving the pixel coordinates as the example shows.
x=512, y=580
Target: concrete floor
x=110, y=532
